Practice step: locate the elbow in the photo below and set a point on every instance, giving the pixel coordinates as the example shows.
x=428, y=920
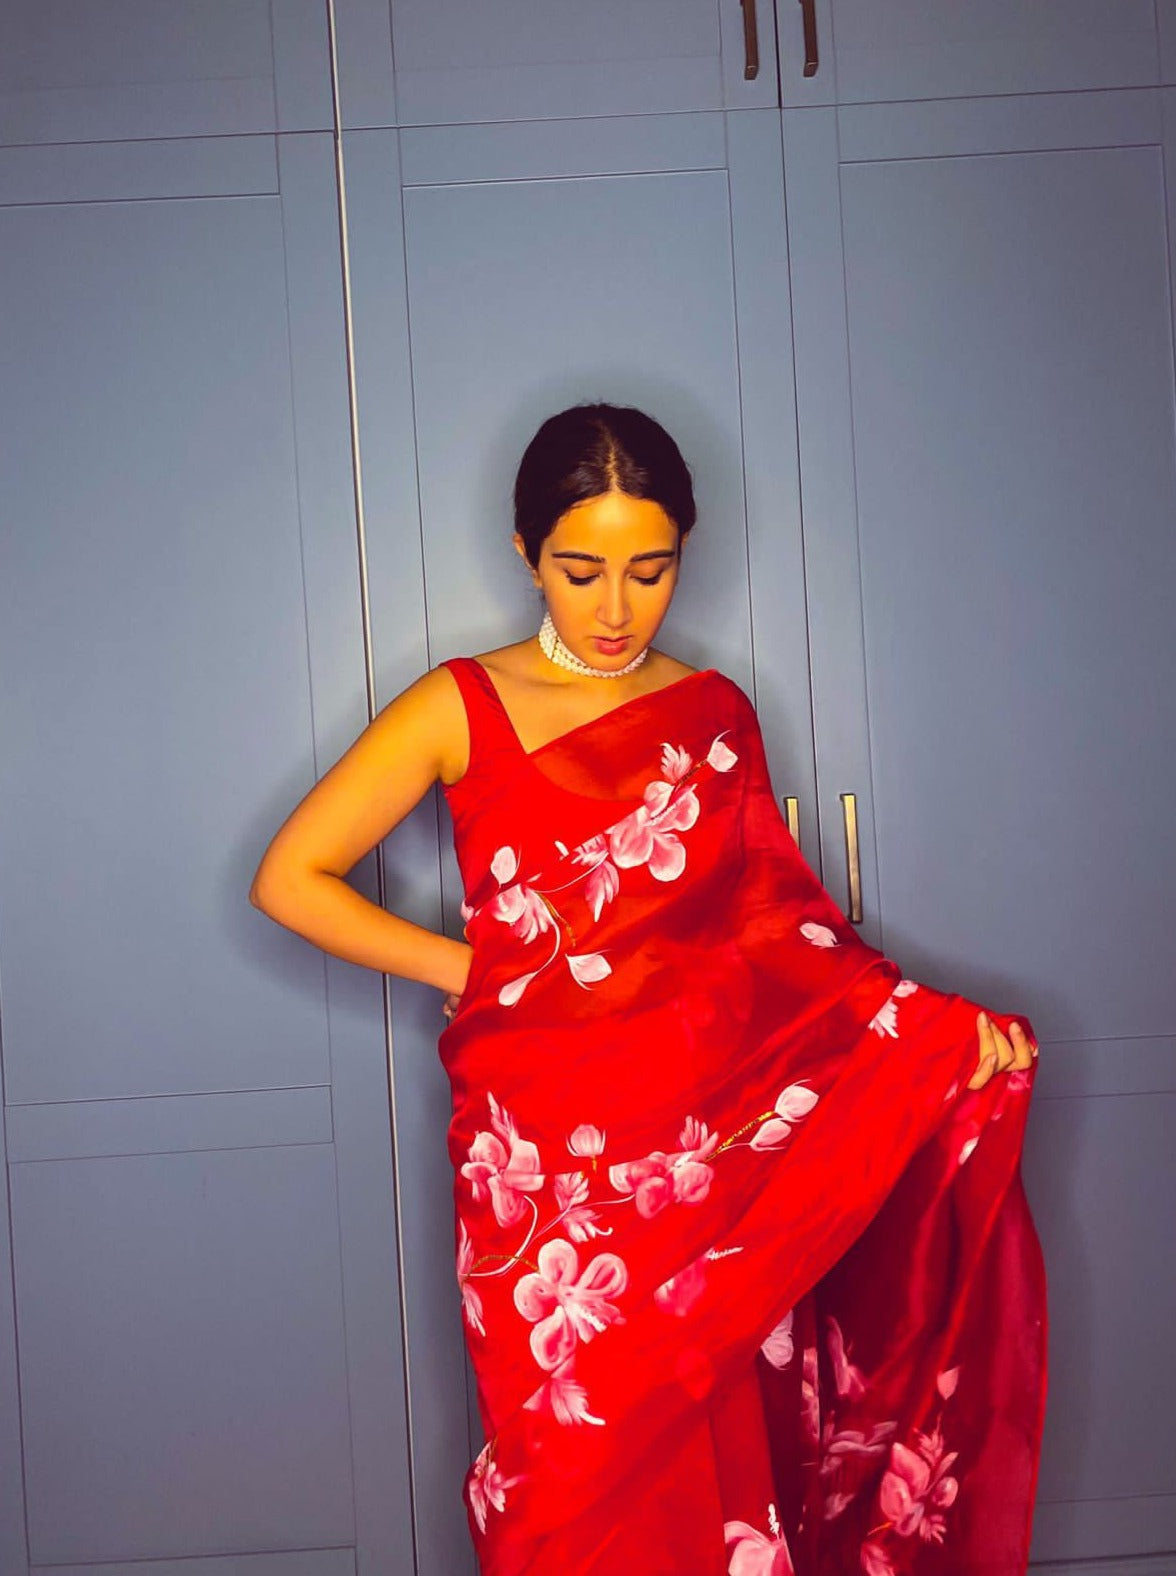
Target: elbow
x=261, y=891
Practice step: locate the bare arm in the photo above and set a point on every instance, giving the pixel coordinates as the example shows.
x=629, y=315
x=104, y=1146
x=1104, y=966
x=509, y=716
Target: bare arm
x=416, y=739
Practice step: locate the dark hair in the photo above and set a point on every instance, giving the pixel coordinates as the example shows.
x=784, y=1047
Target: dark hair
x=587, y=450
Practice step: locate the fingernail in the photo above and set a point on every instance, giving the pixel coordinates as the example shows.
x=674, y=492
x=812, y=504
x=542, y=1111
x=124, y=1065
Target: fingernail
x=984, y=1020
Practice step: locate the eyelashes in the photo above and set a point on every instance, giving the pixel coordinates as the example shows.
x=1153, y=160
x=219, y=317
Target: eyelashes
x=642, y=580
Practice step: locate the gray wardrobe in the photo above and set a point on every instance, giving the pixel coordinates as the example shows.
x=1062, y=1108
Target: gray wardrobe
x=284, y=289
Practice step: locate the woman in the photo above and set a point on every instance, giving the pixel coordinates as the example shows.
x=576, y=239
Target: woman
x=749, y=1280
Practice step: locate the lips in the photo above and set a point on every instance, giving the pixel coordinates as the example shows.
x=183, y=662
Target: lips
x=610, y=648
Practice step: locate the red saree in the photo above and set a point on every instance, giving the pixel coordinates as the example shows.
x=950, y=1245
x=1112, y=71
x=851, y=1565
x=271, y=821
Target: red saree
x=749, y=1280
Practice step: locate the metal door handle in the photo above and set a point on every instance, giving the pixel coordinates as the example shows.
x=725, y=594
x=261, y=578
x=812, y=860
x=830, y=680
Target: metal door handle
x=750, y=40
x=852, y=861
x=812, y=57
x=792, y=809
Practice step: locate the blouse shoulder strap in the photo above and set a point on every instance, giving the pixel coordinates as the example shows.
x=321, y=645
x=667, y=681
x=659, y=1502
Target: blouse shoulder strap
x=491, y=729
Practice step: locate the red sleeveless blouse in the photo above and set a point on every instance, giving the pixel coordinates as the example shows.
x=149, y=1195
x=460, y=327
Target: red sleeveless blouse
x=749, y=1280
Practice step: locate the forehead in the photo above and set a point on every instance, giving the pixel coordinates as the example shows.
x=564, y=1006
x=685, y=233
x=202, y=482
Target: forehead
x=613, y=525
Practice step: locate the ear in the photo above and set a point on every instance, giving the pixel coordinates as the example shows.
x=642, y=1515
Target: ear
x=521, y=549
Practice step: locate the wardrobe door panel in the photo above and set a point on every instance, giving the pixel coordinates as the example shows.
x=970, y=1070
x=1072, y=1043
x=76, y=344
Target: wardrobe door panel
x=110, y=70
x=203, y=1240
x=517, y=60
x=872, y=51
x=985, y=366
x=546, y=265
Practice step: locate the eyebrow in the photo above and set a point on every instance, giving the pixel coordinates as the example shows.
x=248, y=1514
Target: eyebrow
x=637, y=558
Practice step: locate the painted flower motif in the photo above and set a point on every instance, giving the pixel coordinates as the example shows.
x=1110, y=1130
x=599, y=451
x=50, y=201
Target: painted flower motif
x=603, y=881
x=916, y=1487
x=647, y=836
x=488, y=1486
x=755, y=1553
x=885, y=1020
x=471, y=1301
x=565, y=1397
x=522, y=908
x=810, y=1395
x=503, y=1167
x=587, y=967
x=586, y=1140
x=837, y=1444
x=679, y=1294
x=661, y=1179
x=720, y=757
x=504, y=866
x=580, y=1223
x=792, y=1104
x=875, y=1560
x=779, y=1347
x=565, y=1306
x=819, y=935
x=675, y=763
x=849, y=1379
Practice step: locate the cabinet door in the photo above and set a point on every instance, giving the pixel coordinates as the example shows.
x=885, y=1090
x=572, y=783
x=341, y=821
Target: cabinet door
x=202, y=1234
x=637, y=261
x=882, y=50
x=111, y=70
x=517, y=60
x=985, y=372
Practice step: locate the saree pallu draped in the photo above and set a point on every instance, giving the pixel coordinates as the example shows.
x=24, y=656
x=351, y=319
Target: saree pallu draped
x=749, y=1280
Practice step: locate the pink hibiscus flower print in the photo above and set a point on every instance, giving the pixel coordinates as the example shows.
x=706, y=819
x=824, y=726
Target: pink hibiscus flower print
x=837, y=1444
x=876, y=1561
x=849, y=1379
x=661, y=1179
x=471, y=1301
x=779, y=1348
x=586, y=1140
x=756, y=1553
x=810, y=1395
x=522, y=908
x=603, y=881
x=647, y=836
x=565, y=1397
x=503, y=1167
x=679, y=1294
x=487, y=1487
x=793, y=1104
x=885, y=1020
x=720, y=756
x=579, y=1221
x=819, y=935
x=565, y=1306
x=916, y=1488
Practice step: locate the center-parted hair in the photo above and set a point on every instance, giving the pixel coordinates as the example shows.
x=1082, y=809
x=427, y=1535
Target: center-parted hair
x=587, y=450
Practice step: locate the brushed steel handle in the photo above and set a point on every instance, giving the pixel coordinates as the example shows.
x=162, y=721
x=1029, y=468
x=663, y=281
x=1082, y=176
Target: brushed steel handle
x=812, y=57
x=750, y=40
x=852, y=861
x=792, y=810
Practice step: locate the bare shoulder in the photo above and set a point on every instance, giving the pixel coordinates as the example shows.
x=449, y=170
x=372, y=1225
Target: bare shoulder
x=431, y=714
x=665, y=669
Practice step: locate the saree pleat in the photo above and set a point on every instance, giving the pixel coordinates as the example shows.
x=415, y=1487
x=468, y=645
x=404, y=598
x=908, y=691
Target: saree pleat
x=749, y=1280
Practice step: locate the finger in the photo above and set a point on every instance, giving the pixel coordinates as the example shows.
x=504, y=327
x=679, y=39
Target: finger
x=993, y=1040
x=985, y=1071
x=1005, y=1055
x=1023, y=1049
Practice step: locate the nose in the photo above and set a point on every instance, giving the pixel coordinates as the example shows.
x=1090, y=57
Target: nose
x=614, y=607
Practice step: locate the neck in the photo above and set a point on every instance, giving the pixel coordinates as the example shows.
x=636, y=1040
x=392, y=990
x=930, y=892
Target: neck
x=555, y=651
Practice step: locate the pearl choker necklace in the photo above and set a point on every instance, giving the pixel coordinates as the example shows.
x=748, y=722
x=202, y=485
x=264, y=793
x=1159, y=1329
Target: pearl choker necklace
x=554, y=649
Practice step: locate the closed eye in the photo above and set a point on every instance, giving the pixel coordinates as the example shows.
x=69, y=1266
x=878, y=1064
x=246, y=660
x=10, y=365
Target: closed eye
x=642, y=580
